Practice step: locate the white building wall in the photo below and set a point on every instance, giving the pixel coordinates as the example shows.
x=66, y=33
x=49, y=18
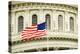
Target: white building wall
x=31, y=13
x=27, y=18
x=21, y=13
x=13, y=23
x=27, y=14
x=54, y=23
x=50, y=13
x=41, y=18
x=60, y=13
x=72, y=15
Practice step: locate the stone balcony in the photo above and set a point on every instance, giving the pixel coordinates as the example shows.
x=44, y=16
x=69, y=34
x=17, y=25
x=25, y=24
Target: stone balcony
x=52, y=39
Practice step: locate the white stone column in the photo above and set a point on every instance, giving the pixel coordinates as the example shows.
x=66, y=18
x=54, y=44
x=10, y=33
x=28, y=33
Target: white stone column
x=13, y=23
x=26, y=18
x=76, y=23
x=55, y=21
x=66, y=21
x=52, y=20
x=41, y=17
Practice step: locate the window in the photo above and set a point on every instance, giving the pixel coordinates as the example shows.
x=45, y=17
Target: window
x=20, y=23
x=60, y=22
x=34, y=19
x=71, y=24
x=47, y=19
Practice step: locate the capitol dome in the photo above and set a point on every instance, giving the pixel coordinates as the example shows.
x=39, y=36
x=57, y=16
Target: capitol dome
x=61, y=26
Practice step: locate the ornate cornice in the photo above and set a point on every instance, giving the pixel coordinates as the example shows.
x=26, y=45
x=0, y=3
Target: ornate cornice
x=38, y=5
x=44, y=39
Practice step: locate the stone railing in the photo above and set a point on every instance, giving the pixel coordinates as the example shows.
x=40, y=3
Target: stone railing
x=57, y=34
x=42, y=44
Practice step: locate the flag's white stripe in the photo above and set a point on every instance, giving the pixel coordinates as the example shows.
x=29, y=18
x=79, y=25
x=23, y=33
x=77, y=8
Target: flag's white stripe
x=32, y=36
x=37, y=33
x=26, y=32
x=29, y=29
x=32, y=32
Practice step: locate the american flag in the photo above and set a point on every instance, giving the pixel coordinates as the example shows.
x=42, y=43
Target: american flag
x=33, y=32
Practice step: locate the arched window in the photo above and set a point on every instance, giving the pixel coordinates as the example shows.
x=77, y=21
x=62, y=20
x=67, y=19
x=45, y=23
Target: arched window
x=34, y=19
x=71, y=24
x=47, y=19
x=20, y=23
x=60, y=22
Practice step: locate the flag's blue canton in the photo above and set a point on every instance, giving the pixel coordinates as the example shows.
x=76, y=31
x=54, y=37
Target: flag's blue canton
x=41, y=26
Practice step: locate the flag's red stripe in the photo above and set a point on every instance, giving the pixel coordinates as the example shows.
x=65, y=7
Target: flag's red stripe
x=32, y=32
x=37, y=33
x=40, y=34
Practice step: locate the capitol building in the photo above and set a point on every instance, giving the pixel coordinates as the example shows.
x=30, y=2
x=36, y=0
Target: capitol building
x=61, y=20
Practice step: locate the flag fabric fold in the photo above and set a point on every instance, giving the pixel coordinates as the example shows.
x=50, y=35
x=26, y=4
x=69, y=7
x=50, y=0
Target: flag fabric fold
x=33, y=32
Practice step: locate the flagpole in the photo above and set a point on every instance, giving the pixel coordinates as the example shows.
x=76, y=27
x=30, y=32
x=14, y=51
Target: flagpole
x=47, y=43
